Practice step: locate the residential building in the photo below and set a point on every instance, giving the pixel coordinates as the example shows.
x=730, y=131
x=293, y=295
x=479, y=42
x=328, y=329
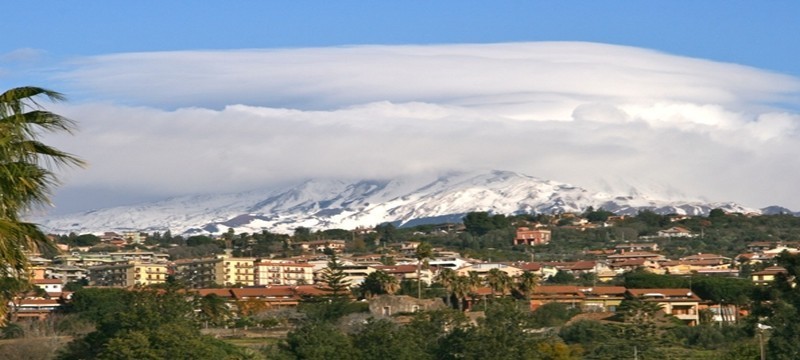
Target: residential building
x=528, y=236
x=450, y=262
x=565, y=294
x=675, y=232
x=407, y=272
x=602, y=298
x=238, y=271
x=29, y=308
x=283, y=273
x=128, y=274
x=355, y=273
x=681, y=303
x=199, y=273
x=320, y=245
x=53, y=287
x=484, y=268
x=768, y=275
x=628, y=247
x=66, y=273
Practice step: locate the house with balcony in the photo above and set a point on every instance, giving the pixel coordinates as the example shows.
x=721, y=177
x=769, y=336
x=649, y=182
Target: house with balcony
x=407, y=272
x=602, y=298
x=531, y=237
x=127, y=274
x=565, y=294
x=680, y=303
x=283, y=273
x=66, y=273
x=483, y=268
x=198, y=273
x=237, y=270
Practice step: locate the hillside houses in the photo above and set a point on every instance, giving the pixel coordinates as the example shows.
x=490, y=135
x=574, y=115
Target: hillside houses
x=288, y=271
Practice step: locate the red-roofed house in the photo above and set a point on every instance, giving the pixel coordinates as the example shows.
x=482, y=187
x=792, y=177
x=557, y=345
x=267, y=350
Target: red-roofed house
x=34, y=308
x=568, y=294
x=51, y=286
x=602, y=298
x=768, y=275
x=681, y=303
x=528, y=236
x=406, y=272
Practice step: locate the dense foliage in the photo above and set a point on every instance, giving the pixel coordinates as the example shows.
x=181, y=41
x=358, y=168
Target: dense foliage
x=142, y=324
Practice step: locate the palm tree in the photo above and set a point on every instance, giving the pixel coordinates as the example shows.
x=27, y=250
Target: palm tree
x=498, y=281
x=388, y=282
x=424, y=251
x=638, y=311
x=461, y=288
x=447, y=277
x=527, y=283
x=212, y=308
x=474, y=281
x=26, y=173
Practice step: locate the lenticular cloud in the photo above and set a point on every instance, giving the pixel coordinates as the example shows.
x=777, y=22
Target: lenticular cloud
x=591, y=114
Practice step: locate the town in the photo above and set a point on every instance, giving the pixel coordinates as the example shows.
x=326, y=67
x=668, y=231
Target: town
x=592, y=266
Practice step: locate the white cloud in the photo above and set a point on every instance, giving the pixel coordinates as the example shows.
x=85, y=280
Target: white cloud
x=591, y=114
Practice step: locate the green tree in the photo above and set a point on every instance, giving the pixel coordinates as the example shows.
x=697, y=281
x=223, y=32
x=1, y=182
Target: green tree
x=502, y=334
x=461, y=288
x=26, y=173
x=302, y=233
x=447, y=278
x=423, y=252
x=86, y=240
x=383, y=339
x=562, y=277
x=377, y=283
x=479, y=223
x=212, y=309
x=144, y=323
x=527, y=284
x=335, y=279
x=199, y=240
x=318, y=341
x=498, y=281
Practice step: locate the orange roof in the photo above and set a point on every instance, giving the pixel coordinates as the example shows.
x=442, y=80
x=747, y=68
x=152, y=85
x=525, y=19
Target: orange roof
x=557, y=289
x=270, y=292
x=529, y=266
x=226, y=293
x=38, y=302
x=669, y=293
x=310, y=290
x=46, y=281
x=772, y=270
x=606, y=290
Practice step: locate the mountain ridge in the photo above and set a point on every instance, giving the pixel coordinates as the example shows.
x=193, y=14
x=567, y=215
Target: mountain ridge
x=332, y=203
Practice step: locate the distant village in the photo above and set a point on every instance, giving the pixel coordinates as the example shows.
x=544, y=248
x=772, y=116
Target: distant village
x=273, y=282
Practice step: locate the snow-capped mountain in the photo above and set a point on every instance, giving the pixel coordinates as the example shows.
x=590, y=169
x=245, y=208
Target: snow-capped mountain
x=323, y=204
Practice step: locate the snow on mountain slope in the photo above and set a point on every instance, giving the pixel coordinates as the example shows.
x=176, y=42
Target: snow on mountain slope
x=322, y=204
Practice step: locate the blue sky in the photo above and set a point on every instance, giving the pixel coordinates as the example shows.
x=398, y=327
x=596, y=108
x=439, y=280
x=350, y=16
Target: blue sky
x=691, y=99
x=752, y=33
